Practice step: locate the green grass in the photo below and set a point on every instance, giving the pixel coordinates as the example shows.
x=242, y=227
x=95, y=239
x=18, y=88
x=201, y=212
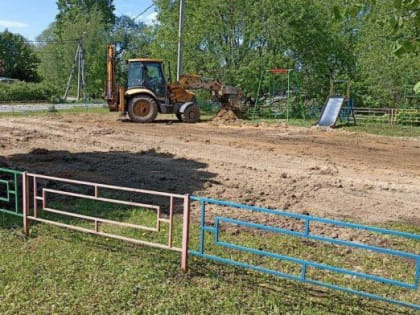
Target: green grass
x=365, y=127
x=386, y=129
x=58, y=113
x=57, y=271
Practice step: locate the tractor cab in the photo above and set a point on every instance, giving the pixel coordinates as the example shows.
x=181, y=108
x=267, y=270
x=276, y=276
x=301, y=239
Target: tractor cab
x=147, y=74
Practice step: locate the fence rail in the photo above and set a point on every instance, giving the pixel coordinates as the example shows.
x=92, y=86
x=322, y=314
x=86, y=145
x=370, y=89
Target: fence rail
x=10, y=186
x=308, y=221
x=37, y=195
x=391, y=116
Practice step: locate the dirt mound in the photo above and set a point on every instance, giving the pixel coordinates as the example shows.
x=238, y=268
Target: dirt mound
x=226, y=115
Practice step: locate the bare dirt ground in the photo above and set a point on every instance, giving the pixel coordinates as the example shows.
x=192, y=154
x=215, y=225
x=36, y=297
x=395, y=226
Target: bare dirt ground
x=330, y=173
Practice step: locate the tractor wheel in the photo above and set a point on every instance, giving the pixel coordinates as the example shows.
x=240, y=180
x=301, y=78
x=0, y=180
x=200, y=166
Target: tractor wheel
x=142, y=109
x=192, y=114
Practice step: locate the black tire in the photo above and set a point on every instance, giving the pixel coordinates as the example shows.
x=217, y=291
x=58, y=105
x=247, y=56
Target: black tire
x=142, y=109
x=192, y=114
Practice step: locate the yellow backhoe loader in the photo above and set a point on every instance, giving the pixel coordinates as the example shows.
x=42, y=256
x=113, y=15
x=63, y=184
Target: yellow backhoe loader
x=148, y=93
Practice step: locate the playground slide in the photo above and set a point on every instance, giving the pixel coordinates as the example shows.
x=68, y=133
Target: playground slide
x=331, y=111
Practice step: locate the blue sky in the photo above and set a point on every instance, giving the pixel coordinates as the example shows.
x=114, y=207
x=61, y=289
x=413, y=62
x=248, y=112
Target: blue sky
x=30, y=17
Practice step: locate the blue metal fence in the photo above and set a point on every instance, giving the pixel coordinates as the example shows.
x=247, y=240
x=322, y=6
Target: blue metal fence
x=308, y=221
x=10, y=192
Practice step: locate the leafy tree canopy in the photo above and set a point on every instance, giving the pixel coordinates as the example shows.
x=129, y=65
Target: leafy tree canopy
x=374, y=43
x=237, y=40
x=58, y=53
x=19, y=59
x=402, y=19
x=132, y=38
x=73, y=8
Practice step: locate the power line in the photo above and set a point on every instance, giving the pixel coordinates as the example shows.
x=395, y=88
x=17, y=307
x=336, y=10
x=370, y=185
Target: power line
x=143, y=12
x=49, y=41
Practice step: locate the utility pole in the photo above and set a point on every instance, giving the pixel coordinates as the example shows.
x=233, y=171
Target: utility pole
x=81, y=79
x=73, y=70
x=79, y=64
x=181, y=26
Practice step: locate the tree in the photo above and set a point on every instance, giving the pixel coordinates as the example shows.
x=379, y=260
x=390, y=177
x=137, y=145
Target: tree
x=73, y=8
x=88, y=21
x=58, y=52
x=52, y=64
x=401, y=19
x=19, y=58
x=132, y=38
x=383, y=61
x=1, y=67
x=236, y=40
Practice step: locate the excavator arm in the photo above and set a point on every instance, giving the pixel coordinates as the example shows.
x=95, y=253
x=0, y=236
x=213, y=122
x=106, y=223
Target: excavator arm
x=111, y=94
x=230, y=97
x=114, y=94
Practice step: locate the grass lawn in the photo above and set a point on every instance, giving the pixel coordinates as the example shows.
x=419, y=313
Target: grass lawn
x=386, y=129
x=57, y=271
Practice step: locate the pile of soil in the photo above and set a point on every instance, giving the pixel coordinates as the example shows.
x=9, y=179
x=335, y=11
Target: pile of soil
x=226, y=115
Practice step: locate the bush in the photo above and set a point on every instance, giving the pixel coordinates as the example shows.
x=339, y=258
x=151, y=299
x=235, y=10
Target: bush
x=22, y=91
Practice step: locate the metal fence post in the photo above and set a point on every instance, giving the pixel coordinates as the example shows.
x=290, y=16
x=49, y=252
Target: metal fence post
x=25, y=198
x=185, y=234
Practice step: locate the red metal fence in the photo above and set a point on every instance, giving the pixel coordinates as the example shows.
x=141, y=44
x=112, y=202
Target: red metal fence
x=38, y=195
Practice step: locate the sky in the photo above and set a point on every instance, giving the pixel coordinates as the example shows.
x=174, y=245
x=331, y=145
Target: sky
x=30, y=17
